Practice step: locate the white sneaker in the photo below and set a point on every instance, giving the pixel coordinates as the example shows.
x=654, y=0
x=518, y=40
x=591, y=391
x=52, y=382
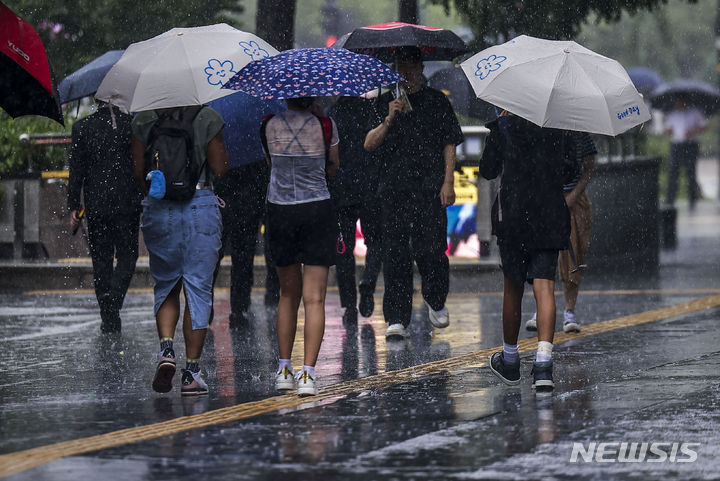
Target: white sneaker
x=396, y=331
x=285, y=380
x=439, y=319
x=571, y=324
x=531, y=324
x=192, y=384
x=306, y=384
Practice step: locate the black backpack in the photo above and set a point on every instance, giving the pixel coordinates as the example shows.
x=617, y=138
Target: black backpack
x=171, y=150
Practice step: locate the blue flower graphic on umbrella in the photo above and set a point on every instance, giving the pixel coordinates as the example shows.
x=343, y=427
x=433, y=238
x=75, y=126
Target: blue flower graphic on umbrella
x=219, y=72
x=254, y=50
x=489, y=64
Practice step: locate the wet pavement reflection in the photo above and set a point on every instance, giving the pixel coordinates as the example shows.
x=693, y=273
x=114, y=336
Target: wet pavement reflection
x=652, y=382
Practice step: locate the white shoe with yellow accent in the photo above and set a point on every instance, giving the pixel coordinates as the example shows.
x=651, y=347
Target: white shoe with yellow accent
x=285, y=380
x=306, y=385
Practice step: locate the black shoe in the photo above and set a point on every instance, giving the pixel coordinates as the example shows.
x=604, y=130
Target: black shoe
x=542, y=376
x=509, y=373
x=367, y=303
x=350, y=318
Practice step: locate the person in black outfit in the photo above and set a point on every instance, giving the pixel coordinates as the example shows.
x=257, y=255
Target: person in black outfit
x=243, y=189
x=354, y=194
x=532, y=223
x=415, y=140
x=101, y=167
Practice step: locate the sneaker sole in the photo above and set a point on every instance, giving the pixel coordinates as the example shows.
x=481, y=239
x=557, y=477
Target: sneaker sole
x=531, y=327
x=507, y=381
x=571, y=327
x=544, y=385
x=284, y=385
x=306, y=391
x=439, y=325
x=162, y=382
x=198, y=392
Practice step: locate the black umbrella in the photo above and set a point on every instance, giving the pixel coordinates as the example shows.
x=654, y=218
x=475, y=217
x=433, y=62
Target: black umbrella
x=26, y=83
x=453, y=82
x=700, y=95
x=86, y=80
x=381, y=41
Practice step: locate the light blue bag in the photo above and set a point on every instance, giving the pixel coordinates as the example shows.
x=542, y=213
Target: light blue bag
x=157, y=184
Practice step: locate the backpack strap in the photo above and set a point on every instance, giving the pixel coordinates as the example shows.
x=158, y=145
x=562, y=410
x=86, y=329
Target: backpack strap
x=263, y=135
x=326, y=125
x=187, y=117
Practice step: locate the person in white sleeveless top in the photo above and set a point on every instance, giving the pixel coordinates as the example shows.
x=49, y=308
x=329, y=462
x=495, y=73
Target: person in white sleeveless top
x=302, y=231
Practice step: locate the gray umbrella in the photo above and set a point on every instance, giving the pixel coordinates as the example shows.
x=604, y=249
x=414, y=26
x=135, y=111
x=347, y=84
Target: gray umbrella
x=86, y=80
x=700, y=95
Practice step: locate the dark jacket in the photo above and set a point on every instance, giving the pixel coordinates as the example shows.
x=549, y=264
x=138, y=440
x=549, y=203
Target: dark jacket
x=357, y=178
x=101, y=166
x=533, y=164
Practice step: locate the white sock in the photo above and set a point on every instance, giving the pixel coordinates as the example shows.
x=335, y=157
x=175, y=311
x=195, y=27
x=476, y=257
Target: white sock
x=310, y=370
x=510, y=352
x=284, y=363
x=544, y=351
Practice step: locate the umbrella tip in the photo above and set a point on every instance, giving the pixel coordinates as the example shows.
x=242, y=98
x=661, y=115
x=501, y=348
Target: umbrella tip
x=567, y=50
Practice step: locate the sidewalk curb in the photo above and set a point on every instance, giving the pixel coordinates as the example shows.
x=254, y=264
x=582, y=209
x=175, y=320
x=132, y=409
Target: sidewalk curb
x=18, y=276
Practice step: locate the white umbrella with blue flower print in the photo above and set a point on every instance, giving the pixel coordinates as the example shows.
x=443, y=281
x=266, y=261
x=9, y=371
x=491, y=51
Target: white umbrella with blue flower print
x=183, y=66
x=558, y=84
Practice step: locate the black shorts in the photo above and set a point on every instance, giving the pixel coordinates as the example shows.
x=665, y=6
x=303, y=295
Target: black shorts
x=520, y=264
x=302, y=233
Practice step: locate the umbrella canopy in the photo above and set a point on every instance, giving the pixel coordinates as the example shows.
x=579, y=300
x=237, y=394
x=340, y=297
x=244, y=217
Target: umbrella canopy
x=453, y=83
x=700, y=95
x=86, y=80
x=645, y=79
x=313, y=72
x=26, y=84
x=243, y=114
x=381, y=41
x=183, y=66
x=557, y=84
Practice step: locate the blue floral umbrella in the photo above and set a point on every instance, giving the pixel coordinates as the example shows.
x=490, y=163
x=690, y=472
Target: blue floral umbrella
x=313, y=72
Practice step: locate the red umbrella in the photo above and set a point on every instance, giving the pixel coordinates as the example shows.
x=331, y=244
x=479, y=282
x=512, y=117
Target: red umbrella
x=26, y=85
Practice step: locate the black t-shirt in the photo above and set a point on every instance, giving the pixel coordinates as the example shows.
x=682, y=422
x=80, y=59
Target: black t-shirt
x=356, y=180
x=532, y=163
x=411, y=157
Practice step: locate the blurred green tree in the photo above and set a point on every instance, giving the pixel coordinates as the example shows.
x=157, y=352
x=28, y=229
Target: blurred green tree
x=496, y=21
x=77, y=31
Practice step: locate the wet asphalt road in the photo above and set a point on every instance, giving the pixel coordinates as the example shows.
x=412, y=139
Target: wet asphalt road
x=655, y=382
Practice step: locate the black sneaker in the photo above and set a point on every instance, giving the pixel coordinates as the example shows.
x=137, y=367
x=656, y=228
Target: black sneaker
x=367, y=303
x=162, y=382
x=542, y=376
x=349, y=318
x=509, y=373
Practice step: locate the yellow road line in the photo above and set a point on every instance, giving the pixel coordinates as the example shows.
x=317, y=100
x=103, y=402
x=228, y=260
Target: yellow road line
x=22, y=460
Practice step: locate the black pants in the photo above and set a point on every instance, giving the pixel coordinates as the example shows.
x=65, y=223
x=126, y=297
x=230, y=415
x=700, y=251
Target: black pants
x=414, y=229
x=683, y=154
x=109, y=238
x=243, y=190
x=370, y=221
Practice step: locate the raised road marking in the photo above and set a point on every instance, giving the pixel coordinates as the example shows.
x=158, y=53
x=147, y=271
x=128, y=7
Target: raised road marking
x=30, y=458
